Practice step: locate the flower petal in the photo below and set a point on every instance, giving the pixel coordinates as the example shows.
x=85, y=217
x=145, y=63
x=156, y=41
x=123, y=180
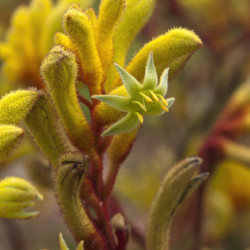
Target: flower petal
x=126, y=124
x=151, y=78
x=119, y=102
x=170, y=101
x=131, y=84
x=163, y=85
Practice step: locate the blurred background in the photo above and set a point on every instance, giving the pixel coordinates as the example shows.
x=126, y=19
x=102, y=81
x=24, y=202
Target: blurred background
x=202, y=90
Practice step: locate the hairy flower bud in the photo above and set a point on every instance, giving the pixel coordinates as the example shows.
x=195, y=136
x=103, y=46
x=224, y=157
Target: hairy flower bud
x=16, y=195
x=10, y=136
x=15, y=106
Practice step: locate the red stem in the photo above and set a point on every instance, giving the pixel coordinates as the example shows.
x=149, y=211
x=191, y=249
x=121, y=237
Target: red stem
x=85, y=101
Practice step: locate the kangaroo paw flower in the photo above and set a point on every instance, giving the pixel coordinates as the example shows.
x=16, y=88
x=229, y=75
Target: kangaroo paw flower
x=143, y=99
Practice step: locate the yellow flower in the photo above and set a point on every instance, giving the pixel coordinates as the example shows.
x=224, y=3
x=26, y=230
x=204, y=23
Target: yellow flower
x=30, y=37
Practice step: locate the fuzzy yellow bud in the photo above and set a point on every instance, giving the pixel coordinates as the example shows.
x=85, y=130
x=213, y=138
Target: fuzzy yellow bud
x=59, y=70
x=10, y=136
x=45, y=127
x=15, y=106
x=79, y=27
x=109, y=15
x=171, y=51
x=134, y=18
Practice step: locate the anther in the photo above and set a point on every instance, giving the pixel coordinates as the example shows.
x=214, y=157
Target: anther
x=164, y=107
x=140, y=117
x=154, y=95
x=140, y=105
x=148, y=99
x=163, y=100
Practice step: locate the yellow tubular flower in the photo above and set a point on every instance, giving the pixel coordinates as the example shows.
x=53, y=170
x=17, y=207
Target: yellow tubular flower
x=30, y=37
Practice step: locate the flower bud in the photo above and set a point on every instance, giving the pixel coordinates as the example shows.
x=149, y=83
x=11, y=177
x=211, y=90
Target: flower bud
x=16, y=195
x=15, y=106
x=10, y=136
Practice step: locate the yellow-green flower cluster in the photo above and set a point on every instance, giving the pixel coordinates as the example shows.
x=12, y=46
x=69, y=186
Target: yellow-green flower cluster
x=144, y=99
x=16, y=195
x=14, y=107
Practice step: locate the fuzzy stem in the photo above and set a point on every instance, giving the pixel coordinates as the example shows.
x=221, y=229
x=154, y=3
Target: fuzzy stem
x=88, y=194
x=110, y=180
x=15, y=235
x=85, y=101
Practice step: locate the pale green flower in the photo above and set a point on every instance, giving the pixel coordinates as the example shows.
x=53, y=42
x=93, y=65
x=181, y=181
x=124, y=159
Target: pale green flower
x=142, y=99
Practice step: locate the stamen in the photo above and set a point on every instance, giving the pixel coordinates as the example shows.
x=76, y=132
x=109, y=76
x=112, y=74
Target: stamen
x=164, y=107
x=154, y=95
x=140, y=117
x=140, y=105
x=148, y=99
x=163, y=100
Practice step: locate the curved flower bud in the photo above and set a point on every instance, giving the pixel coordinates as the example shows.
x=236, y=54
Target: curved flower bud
x=15, y=106
x=143, y=99
x=79, y=28
x=59, y=70
x=16, y=195
x=68, y=180
x=9, y=137
x=177, y=185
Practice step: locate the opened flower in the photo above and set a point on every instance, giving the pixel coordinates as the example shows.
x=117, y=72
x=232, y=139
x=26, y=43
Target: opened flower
x=142, y=99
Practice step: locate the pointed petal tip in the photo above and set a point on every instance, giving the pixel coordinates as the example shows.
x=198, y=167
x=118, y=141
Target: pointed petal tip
x=151, y=56
x=170, y=101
